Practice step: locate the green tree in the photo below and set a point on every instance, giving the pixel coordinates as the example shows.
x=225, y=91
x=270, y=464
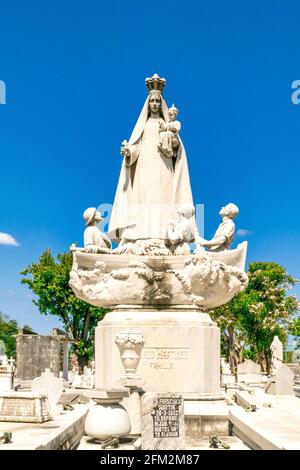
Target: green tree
x=8, y=331
x=295, y=330
x=295, y=327
x=253, y=317
x=49, y=280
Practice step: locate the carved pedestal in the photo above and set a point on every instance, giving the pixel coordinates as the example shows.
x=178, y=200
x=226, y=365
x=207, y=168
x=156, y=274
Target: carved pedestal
x=181, y=351
x=181, y=354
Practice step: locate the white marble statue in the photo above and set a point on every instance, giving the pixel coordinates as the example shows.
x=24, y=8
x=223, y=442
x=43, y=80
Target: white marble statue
x=158, y=267
x=151, y=186
x=224, y=235
x=180, y=235
x=95, y=241
x=168, y=142
x=277, y=354
x=151, y=282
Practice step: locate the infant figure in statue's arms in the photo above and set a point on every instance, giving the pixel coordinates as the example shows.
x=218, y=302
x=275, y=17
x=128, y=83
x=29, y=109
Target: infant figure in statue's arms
x=169, y=133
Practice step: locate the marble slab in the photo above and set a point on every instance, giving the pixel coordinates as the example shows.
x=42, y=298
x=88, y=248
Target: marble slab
x=24, y=407
x=162, y=421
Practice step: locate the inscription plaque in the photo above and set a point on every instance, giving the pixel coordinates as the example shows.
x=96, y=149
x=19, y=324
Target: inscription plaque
x=162, y=421
x=166, y=417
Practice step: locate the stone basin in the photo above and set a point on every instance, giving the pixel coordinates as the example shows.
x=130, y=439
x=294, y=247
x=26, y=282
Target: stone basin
x=205, y=280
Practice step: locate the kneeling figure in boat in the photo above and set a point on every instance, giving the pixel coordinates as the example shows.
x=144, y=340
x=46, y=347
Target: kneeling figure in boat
x=224, y=235
x=95, y=241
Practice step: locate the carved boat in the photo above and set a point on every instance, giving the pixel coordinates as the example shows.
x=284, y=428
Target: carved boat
x=235, y=258
x=204, y=279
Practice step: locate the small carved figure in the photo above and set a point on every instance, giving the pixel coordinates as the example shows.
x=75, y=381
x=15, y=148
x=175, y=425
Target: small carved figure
x=224, y=235
x=277, y=354
x=95, y=241
x=180, y=235
x=168, y=141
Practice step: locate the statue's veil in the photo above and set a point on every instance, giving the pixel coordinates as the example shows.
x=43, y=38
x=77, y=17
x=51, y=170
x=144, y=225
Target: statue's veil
x=121, y=212
x=141, y=122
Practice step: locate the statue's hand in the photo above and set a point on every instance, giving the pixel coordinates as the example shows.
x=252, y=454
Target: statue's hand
x=200, y=241
x=125, y=151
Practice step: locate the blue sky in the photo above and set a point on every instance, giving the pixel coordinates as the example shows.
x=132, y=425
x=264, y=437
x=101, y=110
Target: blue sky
x=74, y=74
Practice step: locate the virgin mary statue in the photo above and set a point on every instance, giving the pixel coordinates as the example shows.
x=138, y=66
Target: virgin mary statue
x=151, y=185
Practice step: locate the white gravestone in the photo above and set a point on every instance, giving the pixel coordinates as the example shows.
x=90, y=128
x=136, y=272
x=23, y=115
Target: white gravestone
x=7, y=371
x=52, y=386
x=249, y=372
x=284, y=382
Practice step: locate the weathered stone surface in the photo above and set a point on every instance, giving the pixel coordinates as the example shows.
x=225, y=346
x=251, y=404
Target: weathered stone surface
x=181, y=351
x=284, y=382
x=36, y=353
x=51, y=385
x=248, y=367
x=162, y=421
x=7, y=376
x=24, y=407
x=63, y=433
x=198, y=280
x=277, y=354
x=249, y=372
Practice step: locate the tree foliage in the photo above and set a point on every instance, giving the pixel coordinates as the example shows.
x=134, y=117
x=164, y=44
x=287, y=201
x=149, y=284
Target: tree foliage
x=8, y=331
x=49, y=280
x=295, y=327
x=253, y=317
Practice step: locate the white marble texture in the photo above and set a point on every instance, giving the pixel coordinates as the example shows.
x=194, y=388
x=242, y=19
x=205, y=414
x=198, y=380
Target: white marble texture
x=150, y=184
x=201, y=280
x=181, y=351
x=52, y=386
x=107, y=420
x=249, y=372
x=283, y=383
x=277, y=354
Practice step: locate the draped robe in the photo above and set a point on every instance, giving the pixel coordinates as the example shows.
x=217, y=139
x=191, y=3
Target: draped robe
x=151, y=186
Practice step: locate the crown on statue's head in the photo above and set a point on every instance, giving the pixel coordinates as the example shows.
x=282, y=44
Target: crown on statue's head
x=155, y=83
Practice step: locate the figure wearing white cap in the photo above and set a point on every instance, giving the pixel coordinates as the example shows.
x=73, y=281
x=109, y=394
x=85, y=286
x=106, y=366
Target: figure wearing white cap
x=95, y=241
x=169, y=133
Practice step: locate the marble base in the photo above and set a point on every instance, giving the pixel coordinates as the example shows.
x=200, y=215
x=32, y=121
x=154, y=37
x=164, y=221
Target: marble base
x=204, y=417
x=181, y=353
